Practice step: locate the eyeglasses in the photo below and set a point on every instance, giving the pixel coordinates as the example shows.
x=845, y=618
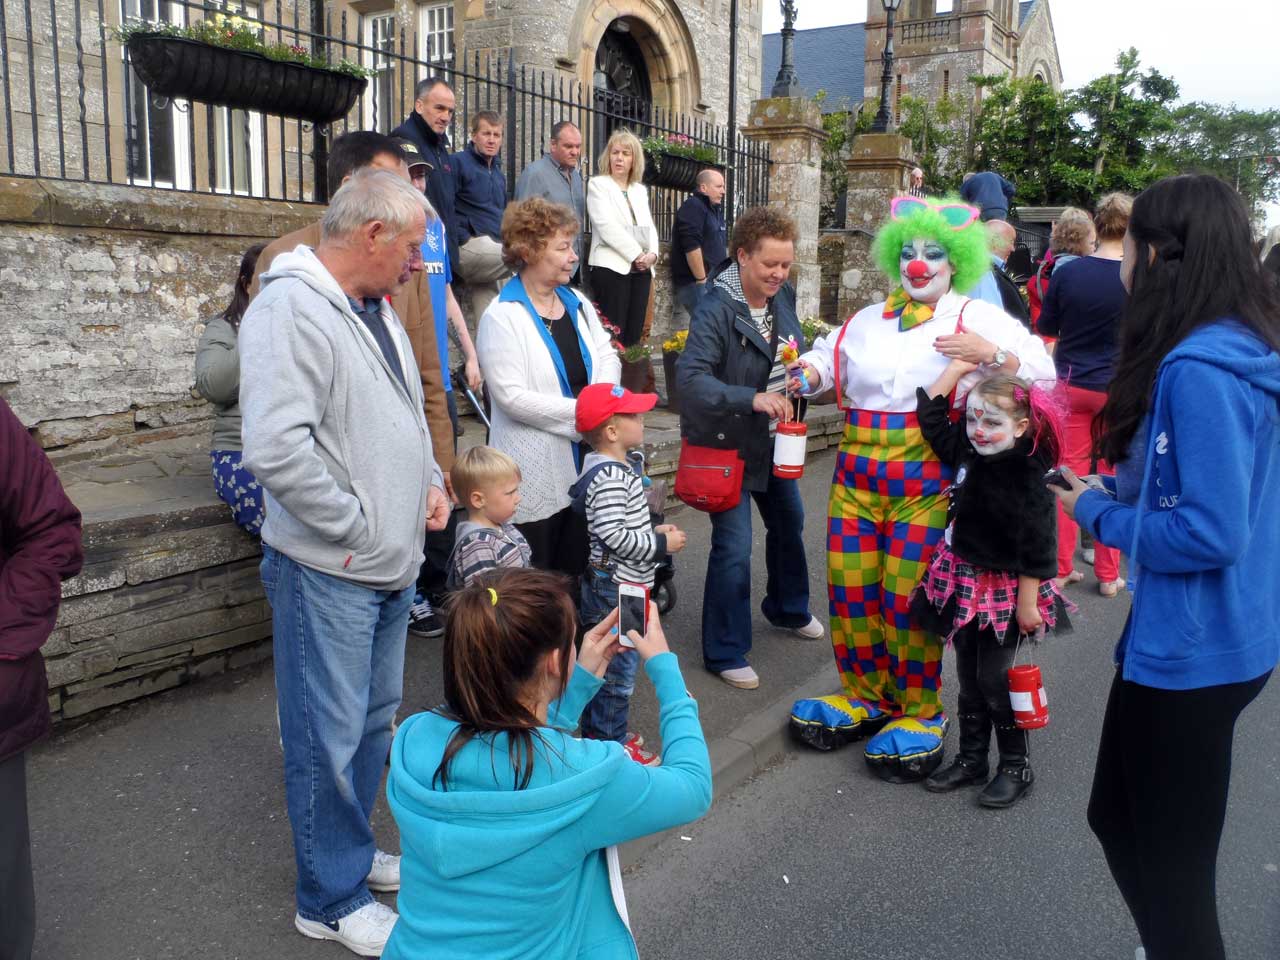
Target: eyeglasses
x=957, y=215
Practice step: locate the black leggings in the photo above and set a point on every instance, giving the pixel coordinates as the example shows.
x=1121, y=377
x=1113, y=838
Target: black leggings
x=624, y=300
x=558, y=542
x=1158, y=804
x=982, y=667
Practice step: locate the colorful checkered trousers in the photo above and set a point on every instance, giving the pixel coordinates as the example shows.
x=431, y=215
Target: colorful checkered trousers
x=888, y=508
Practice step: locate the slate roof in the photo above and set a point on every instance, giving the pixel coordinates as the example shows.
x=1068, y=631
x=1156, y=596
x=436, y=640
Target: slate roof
x=1024, y=11
x=827, y=58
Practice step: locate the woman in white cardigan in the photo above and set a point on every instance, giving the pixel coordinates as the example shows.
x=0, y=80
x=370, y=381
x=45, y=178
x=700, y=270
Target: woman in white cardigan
x=539, y=344
x=624, y=241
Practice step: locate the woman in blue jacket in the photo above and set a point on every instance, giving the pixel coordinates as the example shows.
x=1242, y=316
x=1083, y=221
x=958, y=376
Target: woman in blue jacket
x=1192, y=422
x=507, y=821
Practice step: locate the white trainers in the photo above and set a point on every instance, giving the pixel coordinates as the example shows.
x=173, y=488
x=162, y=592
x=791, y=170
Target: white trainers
x=744, y=678
x=364, y=932
x=384, y=875
x=813, y=630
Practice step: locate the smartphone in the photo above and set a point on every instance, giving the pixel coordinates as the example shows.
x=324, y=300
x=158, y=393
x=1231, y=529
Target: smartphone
x=1054, y=478
x=633, y=611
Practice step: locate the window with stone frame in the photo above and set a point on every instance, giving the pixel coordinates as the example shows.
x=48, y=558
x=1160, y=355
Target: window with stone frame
x=156, y=139
x=239, y=161
x=380, y=107
x=435, y=33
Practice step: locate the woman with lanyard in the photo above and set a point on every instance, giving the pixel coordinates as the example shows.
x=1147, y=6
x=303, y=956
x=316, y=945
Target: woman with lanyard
x=539, y=344
x=888, y=506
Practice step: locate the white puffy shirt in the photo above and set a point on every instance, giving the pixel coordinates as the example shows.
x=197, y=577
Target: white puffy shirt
x=882, y=366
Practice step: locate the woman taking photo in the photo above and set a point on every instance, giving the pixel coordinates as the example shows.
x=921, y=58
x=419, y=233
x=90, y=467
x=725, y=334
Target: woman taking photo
x=1192, y=423
x=1083, y=310
x=507, y=821
x=218, y=381
x=624, y=242
x=539, y=344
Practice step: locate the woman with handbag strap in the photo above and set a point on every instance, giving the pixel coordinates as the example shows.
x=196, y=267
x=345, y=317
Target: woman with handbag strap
x=888, y=503
x=624, y=242
x=731, y=384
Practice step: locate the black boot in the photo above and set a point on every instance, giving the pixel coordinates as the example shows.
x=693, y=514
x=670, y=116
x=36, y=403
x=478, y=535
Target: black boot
x=1014, y=777
x=970, y=765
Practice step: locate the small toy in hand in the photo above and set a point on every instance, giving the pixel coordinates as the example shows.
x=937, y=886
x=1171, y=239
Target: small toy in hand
x=790, y=351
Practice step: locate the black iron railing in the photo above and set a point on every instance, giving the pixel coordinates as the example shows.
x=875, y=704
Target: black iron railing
x=74, y=108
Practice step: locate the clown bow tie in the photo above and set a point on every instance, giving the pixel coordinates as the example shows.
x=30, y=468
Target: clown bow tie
x=909, y=312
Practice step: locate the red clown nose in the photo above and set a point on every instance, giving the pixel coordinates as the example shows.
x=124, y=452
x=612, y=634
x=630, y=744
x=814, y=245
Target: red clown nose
x=916, y=270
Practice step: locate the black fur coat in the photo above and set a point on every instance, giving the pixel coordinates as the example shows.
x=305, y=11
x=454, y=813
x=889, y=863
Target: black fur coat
x=1005, y=517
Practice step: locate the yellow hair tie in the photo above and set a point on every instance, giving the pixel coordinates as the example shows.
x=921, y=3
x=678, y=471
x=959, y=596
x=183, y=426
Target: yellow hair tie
x=493, y=596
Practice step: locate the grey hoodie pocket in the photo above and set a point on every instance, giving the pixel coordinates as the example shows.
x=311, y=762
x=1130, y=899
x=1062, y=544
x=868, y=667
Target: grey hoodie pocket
x=364, y=542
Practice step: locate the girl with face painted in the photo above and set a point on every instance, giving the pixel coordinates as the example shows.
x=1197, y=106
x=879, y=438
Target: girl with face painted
x=990, y=580
x=887, y=508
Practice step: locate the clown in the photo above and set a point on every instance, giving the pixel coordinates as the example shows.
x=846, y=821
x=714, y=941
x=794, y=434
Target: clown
x=888, y=506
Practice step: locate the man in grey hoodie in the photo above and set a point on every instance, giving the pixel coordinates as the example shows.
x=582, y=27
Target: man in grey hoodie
x=334, y=431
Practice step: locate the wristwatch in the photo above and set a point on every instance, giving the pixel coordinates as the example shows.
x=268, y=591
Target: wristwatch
x=999, y=358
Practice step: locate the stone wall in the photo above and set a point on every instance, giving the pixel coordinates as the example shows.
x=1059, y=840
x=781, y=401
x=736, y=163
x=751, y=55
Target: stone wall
x=105, y=290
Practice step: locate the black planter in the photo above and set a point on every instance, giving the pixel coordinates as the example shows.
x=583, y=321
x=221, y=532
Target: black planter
x=669, y=170
x=193, y=70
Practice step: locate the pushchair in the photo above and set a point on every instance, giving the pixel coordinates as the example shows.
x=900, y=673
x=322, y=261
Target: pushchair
x=664, y=586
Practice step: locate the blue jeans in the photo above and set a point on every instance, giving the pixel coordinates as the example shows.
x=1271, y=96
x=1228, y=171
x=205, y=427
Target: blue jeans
x=687, y=297
x=726, y=622
x=339, y=664
x=605, y=717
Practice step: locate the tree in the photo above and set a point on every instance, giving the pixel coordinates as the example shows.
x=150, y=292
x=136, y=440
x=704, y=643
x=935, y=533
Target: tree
x=938, y=133
x=1028, y=131
x=1241, y=146
x=841, y=126
x=1124, y=114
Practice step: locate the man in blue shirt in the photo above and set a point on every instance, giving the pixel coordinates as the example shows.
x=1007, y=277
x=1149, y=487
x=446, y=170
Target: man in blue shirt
x=996, y=287
x=555, y=176
x=479, y=200
x=697, y=243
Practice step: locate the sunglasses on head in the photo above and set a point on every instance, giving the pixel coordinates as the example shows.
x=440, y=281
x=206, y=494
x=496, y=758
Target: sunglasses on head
x=957, y=215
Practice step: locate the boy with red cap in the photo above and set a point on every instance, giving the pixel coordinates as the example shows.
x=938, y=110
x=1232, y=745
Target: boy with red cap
x=625, y=546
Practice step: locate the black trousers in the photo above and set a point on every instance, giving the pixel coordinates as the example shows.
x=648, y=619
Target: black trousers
x=1159, y=801
x=982, y=667
x=559, y=542
x=624, y=300
x=17, y=890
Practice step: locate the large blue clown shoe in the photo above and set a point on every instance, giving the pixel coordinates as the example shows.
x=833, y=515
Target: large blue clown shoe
x=907, y=749
x=826, y=723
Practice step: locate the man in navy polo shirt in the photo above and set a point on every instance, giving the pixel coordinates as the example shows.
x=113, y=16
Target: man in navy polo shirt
x=697, y=243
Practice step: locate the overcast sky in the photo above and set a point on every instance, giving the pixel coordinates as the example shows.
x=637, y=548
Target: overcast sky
x=1226, y=58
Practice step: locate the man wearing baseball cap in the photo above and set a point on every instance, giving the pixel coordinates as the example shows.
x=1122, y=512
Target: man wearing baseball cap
x=625, y=546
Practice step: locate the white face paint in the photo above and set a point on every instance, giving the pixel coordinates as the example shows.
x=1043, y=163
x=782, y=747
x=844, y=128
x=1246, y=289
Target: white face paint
x=925, y=271
x=990, y=426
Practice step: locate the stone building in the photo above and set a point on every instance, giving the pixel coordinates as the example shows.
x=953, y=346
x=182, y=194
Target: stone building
x=938, y=45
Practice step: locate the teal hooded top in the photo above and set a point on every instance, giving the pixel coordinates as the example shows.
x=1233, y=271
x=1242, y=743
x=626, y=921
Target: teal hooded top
x=491, y=871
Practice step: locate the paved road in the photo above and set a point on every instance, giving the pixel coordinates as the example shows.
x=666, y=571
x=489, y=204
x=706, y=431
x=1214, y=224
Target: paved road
x=818, y=859
x=159, y=831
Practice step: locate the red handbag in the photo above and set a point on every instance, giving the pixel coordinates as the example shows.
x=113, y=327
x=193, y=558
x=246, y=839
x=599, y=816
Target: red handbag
x=709, y=479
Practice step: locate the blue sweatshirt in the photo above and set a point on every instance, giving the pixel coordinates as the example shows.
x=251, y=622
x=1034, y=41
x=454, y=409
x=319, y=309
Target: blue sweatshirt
x=1203, y=538
x=491, y=871
x=480, y=194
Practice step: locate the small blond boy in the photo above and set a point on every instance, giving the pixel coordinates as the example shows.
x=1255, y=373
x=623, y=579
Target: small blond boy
x=487, y=483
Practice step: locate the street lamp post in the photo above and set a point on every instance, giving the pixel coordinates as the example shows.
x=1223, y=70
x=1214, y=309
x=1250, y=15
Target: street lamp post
x=881, y=122
x=787, y=84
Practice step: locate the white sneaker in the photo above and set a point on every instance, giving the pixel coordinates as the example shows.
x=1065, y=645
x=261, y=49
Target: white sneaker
x=744, y=678
x=364, y=932
x=1088, y=556
x=813, y=630
x=384, y=875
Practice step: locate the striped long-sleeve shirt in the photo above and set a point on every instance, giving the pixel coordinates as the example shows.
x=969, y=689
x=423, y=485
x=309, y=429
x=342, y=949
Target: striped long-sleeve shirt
x=477, y=548
x=622, y=535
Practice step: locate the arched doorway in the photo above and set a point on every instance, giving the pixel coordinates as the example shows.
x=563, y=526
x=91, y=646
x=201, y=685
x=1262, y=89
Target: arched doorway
x=623, y=94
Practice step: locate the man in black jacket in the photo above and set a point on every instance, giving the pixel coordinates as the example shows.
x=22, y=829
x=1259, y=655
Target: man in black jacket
x=697, y=243
x=433, y=109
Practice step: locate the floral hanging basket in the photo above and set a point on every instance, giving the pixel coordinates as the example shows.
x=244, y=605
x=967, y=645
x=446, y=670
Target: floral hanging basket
x=662, y=169
x=194, y=70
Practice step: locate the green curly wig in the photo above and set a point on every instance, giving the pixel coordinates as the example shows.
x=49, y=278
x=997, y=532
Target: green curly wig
x=966, y=249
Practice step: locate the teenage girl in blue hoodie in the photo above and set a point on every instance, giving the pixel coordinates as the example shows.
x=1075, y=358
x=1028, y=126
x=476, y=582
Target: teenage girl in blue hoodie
x=1192, y=422
x=507, y=821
